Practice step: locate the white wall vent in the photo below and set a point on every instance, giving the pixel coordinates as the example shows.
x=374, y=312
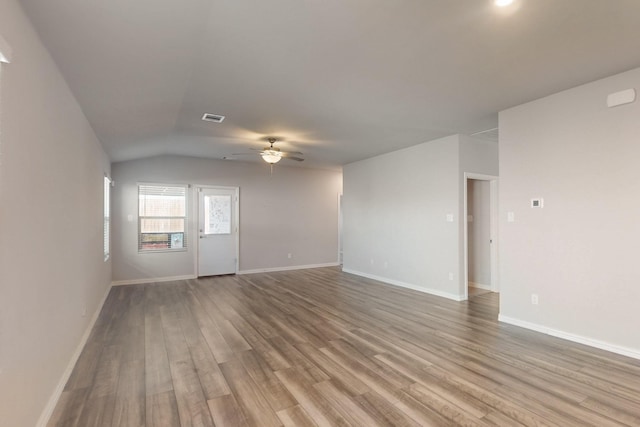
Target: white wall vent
x=216, y=118
x=621, y=98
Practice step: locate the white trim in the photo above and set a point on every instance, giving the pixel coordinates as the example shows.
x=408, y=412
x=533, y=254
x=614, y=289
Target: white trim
x=340, y=229
x=480, y=286
x=152, y=280
x=406, y=285
x=5, y=51
x=55, y=397
x=625, y=351
x=288, y=268
x=106, y=206
x=493, y=230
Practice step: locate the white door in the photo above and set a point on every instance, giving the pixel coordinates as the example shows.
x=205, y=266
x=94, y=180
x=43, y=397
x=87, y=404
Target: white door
x=218, y=230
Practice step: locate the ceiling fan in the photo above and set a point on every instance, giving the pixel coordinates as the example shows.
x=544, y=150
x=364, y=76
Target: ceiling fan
x=273, y=155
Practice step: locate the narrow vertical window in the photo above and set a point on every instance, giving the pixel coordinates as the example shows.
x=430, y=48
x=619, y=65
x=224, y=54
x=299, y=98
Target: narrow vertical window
x=5, y=51
x=5, y=58
x=107, y=217
x=162, y=218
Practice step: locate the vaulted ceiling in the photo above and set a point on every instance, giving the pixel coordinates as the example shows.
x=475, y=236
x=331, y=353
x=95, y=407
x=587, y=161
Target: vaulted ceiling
x=340, y=80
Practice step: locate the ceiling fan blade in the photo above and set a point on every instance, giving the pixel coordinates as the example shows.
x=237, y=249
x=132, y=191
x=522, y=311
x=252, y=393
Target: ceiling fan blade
x=297, y=159
x=243, y=154
x=293, y=152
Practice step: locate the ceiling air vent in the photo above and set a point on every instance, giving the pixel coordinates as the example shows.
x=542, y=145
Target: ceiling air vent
x=208, y=117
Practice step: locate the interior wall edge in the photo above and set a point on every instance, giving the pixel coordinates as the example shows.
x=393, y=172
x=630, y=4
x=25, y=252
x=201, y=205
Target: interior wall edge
x=602, y=345
x=480, y=286
x=152, y=280
x=57, y=392
x=411, y=286
x=288, y=268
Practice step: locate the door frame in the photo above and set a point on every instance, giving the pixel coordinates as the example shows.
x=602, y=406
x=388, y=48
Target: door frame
x=236, y=218
x=340, y=229
x=493, y=229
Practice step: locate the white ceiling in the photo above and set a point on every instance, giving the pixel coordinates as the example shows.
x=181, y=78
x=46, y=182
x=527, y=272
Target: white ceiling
x=340, y=80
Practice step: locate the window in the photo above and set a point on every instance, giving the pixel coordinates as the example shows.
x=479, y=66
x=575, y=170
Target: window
x=162, y=218
x=107, y=217
x=5, y=51
x=5, y=58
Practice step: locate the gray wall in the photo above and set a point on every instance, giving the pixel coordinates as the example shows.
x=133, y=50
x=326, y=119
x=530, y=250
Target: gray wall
x=295, y=211
x=479, y=249
x=395, y=213
x=51, y=260
x=580, y=252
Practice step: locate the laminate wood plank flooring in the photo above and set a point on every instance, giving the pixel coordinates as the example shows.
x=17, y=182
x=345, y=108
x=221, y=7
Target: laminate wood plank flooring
x=320, y=347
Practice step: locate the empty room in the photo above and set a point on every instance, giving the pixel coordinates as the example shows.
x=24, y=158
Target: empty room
x=319, y=213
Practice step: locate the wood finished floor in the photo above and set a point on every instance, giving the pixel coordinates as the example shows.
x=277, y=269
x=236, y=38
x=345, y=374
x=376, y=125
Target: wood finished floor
x=320, y=347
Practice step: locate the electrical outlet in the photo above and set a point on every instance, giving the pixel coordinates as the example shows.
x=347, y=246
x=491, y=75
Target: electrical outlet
x=450, y=276
x=386, y=264
x=371, y=261
x=84, y=311
x=289, y=256
x=534, y=299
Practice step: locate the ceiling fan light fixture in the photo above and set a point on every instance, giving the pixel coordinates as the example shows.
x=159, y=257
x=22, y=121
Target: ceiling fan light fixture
x=503, y=3
x=271, y=156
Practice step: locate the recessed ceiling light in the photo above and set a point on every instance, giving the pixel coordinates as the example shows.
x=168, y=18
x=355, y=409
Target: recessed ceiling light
x=503, y=3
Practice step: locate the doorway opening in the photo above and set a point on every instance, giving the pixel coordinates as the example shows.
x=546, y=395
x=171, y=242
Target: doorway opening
x=480, y=234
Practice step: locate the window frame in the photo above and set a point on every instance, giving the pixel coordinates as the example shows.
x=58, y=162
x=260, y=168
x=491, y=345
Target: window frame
x=185, y=218
x=5, y=51
x=5, y=59
x=106, y=211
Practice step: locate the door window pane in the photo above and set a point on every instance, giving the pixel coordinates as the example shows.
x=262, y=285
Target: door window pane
x=217, y=215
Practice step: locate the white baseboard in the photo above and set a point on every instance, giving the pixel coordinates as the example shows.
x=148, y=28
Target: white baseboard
x=191, y=276
x=480, y=286
x=55, y=397
x=288, y=268
x=152, y=280
x=625, y=351
x=394, y=282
